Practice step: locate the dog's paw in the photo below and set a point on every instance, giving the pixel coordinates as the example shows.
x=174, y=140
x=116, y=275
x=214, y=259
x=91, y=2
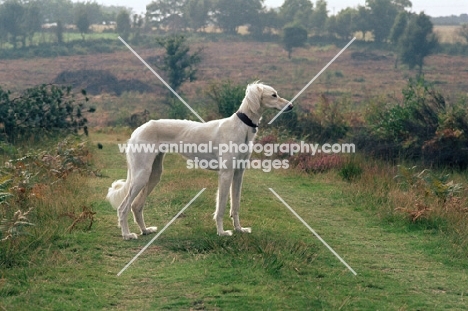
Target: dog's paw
x=149, y=230
x=225, y=233
x=130, y=236
x=244, y=230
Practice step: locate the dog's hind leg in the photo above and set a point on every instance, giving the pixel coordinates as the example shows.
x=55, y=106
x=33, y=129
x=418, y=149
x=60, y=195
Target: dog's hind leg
x=140, y=173
x=138, y=205
x=224, y=181
x=236, y=188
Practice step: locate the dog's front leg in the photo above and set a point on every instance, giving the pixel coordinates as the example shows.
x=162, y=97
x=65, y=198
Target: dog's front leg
x=236, y=189
x=224, y=181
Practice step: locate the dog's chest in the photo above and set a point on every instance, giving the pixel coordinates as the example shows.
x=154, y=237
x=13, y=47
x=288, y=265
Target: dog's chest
x=250, y=136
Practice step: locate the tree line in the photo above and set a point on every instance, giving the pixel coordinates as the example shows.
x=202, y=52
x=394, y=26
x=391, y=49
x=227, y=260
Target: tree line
x=22, y=18
x=295, y=21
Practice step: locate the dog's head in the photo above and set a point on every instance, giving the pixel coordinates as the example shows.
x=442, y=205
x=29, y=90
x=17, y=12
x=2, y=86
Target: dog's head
x=263, y=97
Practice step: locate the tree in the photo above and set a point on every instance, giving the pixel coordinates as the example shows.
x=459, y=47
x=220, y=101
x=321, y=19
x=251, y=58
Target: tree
x=11, y=20
x=123, y=24
x=82, y=22
x=166, y=14
x=137, y=24
x=297, y=11
x=342, y=24
x=293, y=36
x=417, y=41
x=59, y=32
x=330, y=26
x=383, y=14
x=32, y=20
x=197, y=13
x=399, y=26
x=361, y=22
x=319, y=17
x=265, y=22
x=54, y=10
x=230, y=14
x=178, y=64
x=345, y=23
x=92, y=9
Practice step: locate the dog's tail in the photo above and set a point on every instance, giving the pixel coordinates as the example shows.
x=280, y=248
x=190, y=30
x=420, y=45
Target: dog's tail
x=117, y=192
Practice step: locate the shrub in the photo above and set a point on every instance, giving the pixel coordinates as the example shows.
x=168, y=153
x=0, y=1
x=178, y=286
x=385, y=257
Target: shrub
x=41, y=111
x=177, y=109
x=428, y=183
x=226, y=96
x=350, y=171
x=422, y=127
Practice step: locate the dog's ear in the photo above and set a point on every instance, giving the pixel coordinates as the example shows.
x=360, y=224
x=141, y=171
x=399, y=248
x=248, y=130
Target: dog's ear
x=254, y=96
x=260, y=91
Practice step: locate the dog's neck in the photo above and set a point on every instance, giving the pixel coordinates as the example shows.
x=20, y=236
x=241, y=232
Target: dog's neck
x=244, y=118
x=246, y=108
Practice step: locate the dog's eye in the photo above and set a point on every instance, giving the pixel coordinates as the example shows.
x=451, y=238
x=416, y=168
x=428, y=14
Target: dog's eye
x=274, y=95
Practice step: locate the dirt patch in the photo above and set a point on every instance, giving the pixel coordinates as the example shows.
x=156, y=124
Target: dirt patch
x=366, y=56
x=100, y=81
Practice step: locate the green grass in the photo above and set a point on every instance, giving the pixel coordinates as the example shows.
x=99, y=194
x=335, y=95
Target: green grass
x=280, y=266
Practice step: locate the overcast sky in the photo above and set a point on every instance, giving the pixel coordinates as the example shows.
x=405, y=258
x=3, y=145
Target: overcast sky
x=430, y=7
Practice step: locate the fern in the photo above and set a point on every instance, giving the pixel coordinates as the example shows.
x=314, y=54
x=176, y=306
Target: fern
x=15, y=226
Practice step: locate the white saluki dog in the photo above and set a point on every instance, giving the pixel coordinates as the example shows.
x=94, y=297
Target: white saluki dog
x=145, y=169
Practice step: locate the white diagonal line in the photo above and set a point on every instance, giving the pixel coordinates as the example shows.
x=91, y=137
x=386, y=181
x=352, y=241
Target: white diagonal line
x=313, y=231
x=160, y=232
x=313, y=79
x=162, y=80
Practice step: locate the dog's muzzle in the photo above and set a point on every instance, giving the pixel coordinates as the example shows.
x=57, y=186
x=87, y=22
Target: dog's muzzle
x=290, y=107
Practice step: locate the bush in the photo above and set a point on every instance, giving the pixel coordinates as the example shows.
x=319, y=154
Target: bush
x=422, y=127
x=326, y=123
x=350, y=171
x=178, y=110
x=41, y=111
x=227, y=96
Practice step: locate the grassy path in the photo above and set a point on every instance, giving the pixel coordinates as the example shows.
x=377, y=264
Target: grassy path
x=280, y=266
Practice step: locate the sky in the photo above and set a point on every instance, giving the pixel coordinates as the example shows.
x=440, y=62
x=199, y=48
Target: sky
x=430, y=7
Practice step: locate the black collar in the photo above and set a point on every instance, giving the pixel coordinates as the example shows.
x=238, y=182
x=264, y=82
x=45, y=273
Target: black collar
x=244, y=118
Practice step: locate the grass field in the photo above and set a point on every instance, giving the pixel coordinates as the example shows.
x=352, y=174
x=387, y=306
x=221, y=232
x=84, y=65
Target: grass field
x=279, y=266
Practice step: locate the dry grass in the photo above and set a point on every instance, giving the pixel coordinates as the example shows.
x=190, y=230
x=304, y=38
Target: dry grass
x=448, y=34
x=431, y=203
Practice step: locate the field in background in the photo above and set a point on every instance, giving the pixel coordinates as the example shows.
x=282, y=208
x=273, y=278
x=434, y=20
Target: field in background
x=358, y=77
x=448, y=34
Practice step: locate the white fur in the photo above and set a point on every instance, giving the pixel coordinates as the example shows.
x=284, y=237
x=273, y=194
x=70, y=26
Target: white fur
x=145, y=169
